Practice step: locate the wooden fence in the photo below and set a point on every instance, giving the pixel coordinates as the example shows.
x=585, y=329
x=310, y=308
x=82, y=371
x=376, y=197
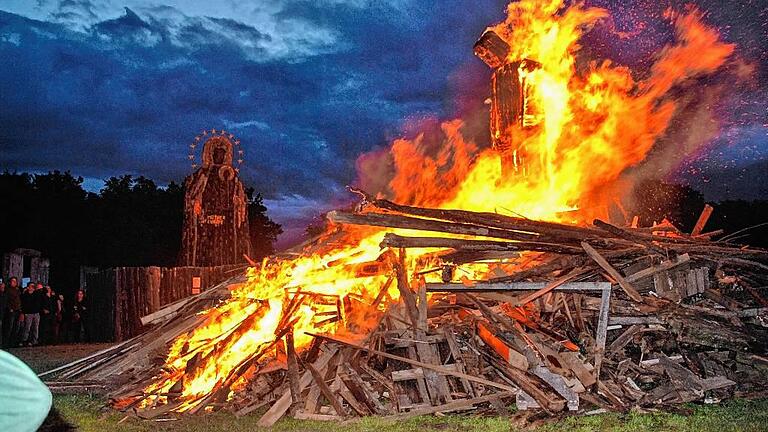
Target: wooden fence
x=119, y=297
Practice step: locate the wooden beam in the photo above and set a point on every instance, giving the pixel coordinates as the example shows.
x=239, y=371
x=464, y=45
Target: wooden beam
x=451, y=406
x=407, y=222
x=398, y=241
x=409, y=299
x=293, y=369
x=482, y=287
x=623, y=283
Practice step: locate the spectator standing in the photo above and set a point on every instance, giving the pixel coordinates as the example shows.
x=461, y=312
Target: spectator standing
x=79, y=318
x=12, y=325
x=48, y=302
x=3, y=302
x=58, y=319
x=30, y=309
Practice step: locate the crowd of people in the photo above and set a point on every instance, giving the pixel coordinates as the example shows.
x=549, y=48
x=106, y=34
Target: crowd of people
x=36, y=315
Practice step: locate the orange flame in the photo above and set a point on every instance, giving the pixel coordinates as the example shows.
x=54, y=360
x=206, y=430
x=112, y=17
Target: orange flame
x=592, y=126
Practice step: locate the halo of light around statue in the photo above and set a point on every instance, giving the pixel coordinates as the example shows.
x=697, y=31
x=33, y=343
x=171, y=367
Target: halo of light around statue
x=210, y=139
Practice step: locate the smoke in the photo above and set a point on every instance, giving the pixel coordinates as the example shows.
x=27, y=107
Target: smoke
x=703, y=106
x=612, y=132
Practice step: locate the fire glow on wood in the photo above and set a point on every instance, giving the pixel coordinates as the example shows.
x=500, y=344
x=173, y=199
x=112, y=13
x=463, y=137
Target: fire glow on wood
x=562, y=136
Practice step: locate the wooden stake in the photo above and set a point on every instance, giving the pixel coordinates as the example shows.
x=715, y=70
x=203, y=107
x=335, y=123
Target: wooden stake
x=405, y=290
x=293, y=370
x=703, y=218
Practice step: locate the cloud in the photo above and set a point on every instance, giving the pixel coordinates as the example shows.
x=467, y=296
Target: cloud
x=307, y=86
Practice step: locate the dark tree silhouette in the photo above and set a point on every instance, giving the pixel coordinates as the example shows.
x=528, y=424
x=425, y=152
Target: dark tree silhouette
x=130, y=222
x=263, y=230
x=682, y=205
x=655, y=200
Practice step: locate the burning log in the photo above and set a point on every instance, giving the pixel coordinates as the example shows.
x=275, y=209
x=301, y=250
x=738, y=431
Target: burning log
x=396, y=241
x=396, y=221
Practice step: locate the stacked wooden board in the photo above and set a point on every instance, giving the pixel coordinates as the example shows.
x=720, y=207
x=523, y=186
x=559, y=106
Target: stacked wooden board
x=597, y=318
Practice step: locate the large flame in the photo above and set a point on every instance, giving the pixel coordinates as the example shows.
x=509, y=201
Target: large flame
x=595, y=120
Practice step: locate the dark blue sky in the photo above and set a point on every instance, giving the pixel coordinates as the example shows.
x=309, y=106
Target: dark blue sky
x=102, y=90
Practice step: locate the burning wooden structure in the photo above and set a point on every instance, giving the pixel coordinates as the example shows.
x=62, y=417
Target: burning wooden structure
x=436, y=302
x=603, y=318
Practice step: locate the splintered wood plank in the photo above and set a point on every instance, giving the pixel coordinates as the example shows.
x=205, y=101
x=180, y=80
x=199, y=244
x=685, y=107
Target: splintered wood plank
x=438, y=384
x=582, y=370
x=348, y=396
x=323, y=387
x=421, y=383
x=625, y=337
x=623, y=283
x=293, y=368
x=357, y=386
x=378, y=376
x=422, y=307
x=453, y=346
x=304, y=415
x=279, y=408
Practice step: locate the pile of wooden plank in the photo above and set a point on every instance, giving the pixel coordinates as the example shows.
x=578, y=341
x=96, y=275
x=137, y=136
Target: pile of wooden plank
x=568, y=319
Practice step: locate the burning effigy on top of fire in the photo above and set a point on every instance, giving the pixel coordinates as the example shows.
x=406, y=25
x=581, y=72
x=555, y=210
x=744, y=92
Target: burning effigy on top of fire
x=482, y=275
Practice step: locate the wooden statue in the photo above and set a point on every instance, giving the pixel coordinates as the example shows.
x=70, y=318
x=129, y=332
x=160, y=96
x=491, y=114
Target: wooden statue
x=215, y=209
x=511, y=109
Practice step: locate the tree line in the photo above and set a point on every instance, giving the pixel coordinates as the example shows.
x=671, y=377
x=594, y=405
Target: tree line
x=131, y=222
x=134, y=222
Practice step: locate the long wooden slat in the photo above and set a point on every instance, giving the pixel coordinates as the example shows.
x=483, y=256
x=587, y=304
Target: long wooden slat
x=623, y=283
x=456, y=405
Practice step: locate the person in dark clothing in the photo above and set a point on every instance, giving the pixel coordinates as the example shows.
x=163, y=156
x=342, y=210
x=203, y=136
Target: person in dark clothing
x=79, y=318
x=58, y=319
x=30, y=309
x=12, y=325
x=3, y=301
x=48, y=303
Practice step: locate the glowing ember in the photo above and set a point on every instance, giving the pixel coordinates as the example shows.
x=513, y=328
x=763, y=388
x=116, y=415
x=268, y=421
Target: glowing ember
x=590, y=124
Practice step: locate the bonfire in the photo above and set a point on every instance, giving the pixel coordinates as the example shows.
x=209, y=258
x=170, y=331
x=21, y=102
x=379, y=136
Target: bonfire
x=479, y=275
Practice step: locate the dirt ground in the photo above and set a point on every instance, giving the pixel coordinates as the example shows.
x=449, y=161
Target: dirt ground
x=44, y=358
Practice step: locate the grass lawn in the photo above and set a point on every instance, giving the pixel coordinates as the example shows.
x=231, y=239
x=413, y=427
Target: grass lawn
x=88, y=414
